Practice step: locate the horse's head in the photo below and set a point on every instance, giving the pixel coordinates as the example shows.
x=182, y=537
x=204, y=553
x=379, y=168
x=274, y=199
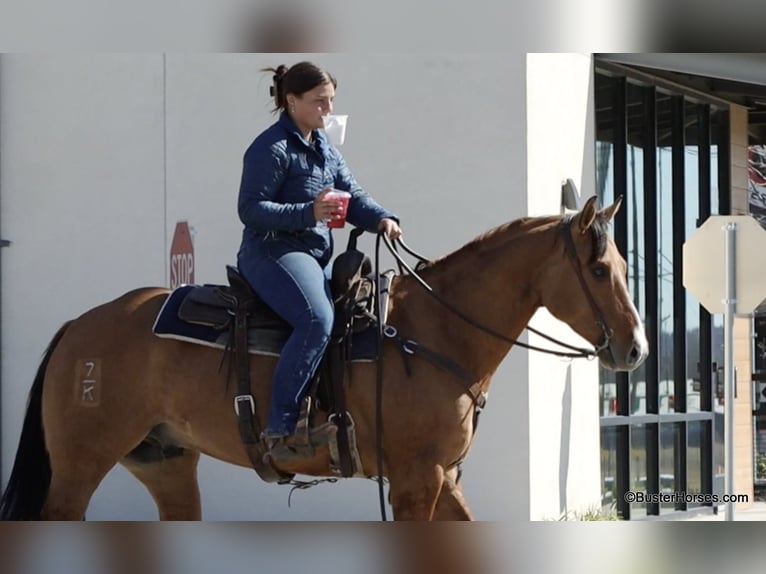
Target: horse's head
x=587, y=288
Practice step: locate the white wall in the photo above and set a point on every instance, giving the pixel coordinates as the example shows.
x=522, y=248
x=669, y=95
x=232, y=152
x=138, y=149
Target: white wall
x=563, y=396
x=102, y=154
x=81, y=177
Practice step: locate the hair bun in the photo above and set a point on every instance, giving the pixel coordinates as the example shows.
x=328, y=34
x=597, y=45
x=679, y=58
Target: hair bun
x=276, y=80
x=279, y=73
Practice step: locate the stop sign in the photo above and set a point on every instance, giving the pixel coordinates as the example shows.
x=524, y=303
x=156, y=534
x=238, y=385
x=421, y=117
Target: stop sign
x=704, y=263
x=181, y=256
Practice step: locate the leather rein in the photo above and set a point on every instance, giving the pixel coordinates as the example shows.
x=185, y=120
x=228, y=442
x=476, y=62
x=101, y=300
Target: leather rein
x=571, y=252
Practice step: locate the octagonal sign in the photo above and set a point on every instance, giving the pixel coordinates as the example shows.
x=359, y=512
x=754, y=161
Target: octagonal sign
x=181, y=256
x=704, y=263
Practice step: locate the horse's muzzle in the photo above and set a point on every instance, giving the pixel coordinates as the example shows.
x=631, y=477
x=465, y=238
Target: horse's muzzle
x=625, y=357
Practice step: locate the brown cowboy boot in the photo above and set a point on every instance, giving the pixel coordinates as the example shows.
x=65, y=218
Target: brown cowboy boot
x=299, y=445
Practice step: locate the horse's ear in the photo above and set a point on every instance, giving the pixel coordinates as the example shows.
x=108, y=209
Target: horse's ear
x=587, y=215
x=609, y=212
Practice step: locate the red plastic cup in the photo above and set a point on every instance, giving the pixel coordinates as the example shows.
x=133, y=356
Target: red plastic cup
x=342, y=197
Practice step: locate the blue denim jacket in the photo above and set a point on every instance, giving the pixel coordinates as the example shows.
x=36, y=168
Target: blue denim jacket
x=281, y=176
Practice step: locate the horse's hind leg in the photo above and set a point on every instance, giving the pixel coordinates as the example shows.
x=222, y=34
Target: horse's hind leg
x=172, y=482
x=77, y=468
x=72, y=487
x=451, y=504
x=81, y=455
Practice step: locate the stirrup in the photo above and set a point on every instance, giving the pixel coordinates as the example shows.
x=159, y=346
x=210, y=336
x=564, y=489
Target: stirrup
x=286, y=449
x=280, y=451
x=323, y=434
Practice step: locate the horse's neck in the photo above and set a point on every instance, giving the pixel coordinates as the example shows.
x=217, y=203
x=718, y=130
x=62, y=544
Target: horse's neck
x=493, y=283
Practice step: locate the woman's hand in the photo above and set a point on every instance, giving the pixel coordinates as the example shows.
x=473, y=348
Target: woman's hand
x=326, y=208
x=390, y=228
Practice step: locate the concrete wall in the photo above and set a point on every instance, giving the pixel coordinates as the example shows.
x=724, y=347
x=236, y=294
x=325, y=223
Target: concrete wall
x=102, y=154
x=563, y=396
x=81, y=150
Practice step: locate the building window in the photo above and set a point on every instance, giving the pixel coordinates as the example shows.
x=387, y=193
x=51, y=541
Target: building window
x=661, y=425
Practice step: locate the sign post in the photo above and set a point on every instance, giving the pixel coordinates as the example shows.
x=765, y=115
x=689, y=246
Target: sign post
x=736, y=291
x=728, y=347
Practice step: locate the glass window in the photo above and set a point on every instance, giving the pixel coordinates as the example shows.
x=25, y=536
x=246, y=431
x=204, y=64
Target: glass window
x=719, y=459
x=665, y=249
x=639, y=438
x=671, y=443
x=604, y=184
x=679, y=454
x=634, y=204
x=691, y=215
x=608, y=468
x=760, y=449
x=759, y=390
x=698, y=431
x=605, y=87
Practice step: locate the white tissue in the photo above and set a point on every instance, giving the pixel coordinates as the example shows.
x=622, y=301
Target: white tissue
x=335, y=128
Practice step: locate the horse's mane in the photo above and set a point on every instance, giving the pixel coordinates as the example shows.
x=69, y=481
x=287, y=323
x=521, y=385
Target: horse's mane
x=506, y=232
x=496, y=237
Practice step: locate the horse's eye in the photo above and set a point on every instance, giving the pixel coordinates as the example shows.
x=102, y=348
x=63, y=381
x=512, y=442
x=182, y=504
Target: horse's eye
x=599, y=271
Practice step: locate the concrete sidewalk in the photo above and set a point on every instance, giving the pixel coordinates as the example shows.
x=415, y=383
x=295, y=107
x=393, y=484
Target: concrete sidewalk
x=755, y=512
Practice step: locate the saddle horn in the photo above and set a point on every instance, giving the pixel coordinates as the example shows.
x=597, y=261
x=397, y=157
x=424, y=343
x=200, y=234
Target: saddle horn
x=353, y=236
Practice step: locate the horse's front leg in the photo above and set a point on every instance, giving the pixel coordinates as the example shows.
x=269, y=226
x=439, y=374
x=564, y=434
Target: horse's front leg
x=415, y=488
x=451, y=504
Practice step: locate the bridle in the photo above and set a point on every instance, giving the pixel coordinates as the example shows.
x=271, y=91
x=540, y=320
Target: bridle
x=571, y=252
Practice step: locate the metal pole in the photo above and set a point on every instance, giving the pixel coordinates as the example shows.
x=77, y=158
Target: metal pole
x=728, y=344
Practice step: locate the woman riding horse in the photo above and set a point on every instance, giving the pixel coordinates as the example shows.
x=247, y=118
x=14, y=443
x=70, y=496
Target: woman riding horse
x=487, y=292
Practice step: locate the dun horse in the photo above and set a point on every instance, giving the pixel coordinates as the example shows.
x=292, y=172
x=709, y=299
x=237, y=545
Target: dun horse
x=568, y=265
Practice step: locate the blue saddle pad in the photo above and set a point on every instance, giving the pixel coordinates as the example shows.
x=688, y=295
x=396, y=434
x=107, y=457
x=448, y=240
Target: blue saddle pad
x=364, y=345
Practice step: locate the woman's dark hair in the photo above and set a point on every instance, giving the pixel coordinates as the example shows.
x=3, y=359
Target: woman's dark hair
x=296, y=79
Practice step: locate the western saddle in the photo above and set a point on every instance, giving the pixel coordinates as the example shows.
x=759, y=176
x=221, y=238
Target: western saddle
x=238, y=309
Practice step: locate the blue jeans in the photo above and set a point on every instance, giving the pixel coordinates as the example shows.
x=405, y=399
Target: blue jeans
x=296, y=286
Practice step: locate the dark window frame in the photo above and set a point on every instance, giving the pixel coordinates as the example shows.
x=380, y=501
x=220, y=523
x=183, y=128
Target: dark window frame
x=623, y=421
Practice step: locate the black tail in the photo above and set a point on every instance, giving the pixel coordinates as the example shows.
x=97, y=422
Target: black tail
x=27, y=488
